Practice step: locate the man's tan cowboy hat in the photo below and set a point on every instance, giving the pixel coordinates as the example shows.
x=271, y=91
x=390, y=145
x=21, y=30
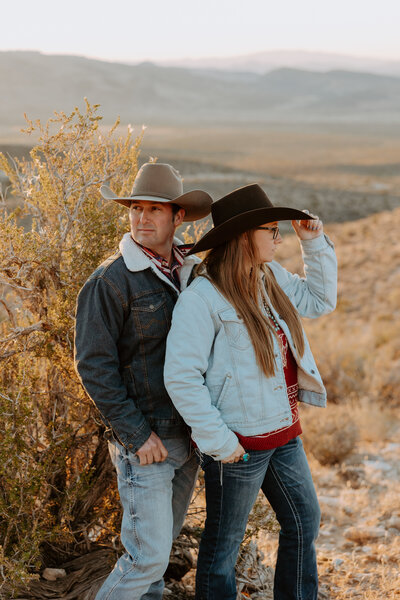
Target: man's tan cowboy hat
x=241, y=210
x=160, y=182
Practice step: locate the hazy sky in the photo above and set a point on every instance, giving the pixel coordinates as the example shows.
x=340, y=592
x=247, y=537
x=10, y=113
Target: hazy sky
x=154, y=29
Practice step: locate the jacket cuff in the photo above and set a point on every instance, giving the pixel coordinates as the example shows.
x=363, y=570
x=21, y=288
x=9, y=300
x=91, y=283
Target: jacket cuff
x=135, y=441
x=317, y=244
x=227, y=449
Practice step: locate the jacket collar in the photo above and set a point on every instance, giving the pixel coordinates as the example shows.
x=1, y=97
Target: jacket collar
x=135, y=260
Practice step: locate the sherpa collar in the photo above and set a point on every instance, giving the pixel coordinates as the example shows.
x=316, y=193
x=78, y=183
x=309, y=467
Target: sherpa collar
x=135, y=260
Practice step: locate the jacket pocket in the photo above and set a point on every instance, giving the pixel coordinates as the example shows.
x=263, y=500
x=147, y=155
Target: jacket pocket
x=151, y=316
x=223, y=391
x=235, y=330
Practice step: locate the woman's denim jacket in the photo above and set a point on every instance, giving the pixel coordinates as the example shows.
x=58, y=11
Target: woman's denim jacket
x=123, y=316
x=210, y=368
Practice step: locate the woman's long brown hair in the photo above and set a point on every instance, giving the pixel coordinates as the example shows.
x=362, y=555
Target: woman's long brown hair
x=227, y=266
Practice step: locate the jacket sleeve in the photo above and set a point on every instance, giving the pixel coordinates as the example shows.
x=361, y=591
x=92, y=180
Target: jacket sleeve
x=99, y=324
x=315, y=294
x=189, y=345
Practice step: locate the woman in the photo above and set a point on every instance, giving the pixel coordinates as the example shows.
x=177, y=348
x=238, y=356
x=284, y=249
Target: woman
x=237, y=361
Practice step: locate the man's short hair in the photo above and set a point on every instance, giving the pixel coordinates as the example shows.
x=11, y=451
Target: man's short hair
x=175, y=208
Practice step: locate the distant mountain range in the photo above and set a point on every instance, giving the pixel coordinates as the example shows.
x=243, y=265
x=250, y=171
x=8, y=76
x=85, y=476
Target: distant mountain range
x=147, y=93
x=263, y=62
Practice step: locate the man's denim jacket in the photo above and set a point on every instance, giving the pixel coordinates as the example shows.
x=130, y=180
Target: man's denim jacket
x=122, y=320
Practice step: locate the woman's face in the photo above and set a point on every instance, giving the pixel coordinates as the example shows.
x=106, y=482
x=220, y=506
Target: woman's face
x=264, y=242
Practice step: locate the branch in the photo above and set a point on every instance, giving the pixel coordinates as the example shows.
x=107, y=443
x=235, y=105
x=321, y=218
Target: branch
x=20, y=331
x=9, y=311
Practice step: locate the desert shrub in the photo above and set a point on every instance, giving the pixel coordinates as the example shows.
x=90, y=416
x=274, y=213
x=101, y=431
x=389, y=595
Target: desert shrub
x=331, y=435
x=53, y=461
x=261, y=521
x=375, y=421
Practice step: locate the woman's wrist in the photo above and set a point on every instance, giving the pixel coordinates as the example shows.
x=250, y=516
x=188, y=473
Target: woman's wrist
x=315, y=244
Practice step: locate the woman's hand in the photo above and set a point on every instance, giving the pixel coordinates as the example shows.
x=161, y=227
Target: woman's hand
x=308, y=229
x=235, y=456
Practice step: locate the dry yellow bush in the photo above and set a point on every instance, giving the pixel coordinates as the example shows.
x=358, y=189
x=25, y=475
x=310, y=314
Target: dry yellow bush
x=331, y=435
x=374, y=421
x=53, y=459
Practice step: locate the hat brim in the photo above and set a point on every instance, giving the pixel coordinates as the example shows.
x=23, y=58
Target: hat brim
x=197, y=204
x=240, y=223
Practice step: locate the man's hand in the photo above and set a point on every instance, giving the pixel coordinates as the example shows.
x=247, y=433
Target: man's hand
x=308, y=229
x=153, y=450
x=235, y=456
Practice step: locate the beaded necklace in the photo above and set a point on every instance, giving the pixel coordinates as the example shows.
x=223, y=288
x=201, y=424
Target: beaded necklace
x=271, y=316
x=282, y=340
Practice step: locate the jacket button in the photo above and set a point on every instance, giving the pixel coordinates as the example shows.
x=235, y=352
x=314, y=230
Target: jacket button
x=130, y=446
x=312, y=371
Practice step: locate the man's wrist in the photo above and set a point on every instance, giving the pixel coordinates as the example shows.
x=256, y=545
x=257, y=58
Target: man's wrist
x=134, y=442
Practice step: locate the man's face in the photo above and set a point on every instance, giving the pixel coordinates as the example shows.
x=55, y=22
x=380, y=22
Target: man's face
x=153, y=224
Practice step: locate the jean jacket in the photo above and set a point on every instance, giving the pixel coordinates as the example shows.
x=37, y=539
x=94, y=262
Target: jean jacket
x=122, y=319
x=210, y=369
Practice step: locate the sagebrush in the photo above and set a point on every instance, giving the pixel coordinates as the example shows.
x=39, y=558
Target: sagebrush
x=53, y=462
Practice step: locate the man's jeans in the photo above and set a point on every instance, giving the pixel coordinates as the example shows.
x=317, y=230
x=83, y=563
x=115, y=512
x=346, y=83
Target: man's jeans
x=154, y=499
x=284, y=476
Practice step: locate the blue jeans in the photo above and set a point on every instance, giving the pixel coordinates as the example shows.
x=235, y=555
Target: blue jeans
x=284, y=476
x=154, y=499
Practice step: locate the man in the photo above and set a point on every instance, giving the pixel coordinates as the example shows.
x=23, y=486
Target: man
x=123, y=317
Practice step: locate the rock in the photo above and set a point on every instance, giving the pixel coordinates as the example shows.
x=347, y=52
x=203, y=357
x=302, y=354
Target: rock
x=353, y=476
x=53, y=574
x=180, y=562
x=329, y=501
x=366, y=534
x=378, y=465
x=337, y=563
x=394, y=522
x=392, y=447
x=325, y=530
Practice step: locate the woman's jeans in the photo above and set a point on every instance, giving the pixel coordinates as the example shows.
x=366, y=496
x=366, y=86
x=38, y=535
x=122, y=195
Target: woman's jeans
x=154, y=499
x=284, y=476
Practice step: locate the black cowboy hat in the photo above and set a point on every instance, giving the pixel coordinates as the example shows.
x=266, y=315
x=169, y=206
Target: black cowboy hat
x=241, y=210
